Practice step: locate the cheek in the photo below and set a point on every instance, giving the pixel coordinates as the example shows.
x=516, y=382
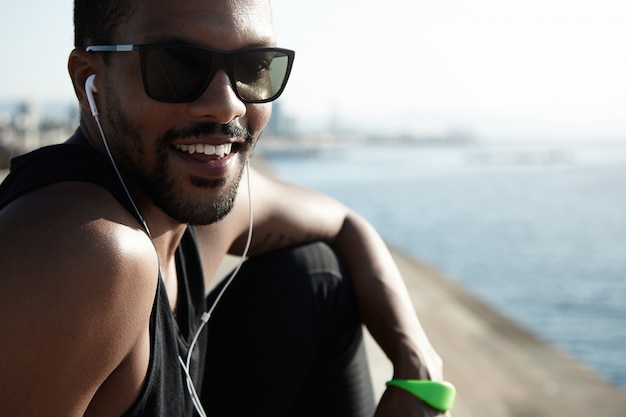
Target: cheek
x=131, y=113
x=258, y=115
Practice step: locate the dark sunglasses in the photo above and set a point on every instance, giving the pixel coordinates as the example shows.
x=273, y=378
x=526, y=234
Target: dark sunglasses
x=177, y=73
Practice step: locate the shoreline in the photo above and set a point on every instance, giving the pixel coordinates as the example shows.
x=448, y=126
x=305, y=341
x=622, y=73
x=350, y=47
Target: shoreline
x=500, y=369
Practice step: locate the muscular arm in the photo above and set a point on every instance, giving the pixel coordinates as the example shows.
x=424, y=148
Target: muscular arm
x=286, y=214
x=67, y=321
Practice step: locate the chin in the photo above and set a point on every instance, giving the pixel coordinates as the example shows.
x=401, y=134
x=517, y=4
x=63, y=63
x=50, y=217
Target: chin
x=211, y=201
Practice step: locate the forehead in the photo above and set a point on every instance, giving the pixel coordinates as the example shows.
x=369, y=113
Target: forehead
x=217, y=24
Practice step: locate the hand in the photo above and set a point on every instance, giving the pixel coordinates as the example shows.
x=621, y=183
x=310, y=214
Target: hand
x=396, y=402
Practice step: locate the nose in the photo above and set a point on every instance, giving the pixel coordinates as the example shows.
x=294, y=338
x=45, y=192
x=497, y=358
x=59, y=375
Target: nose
x=219, y=101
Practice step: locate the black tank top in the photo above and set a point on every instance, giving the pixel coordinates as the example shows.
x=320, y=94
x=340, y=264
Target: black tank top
x=165, y=391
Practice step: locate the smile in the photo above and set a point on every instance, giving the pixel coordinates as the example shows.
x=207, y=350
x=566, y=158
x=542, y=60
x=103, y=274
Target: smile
x=203, y=148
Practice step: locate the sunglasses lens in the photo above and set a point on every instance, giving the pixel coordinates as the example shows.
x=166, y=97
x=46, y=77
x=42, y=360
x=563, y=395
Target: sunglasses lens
x=261, y=75
x=176, y=74
x=180, y=73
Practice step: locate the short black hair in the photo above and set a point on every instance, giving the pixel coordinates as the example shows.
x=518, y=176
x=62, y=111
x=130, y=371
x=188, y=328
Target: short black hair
x=95, y=20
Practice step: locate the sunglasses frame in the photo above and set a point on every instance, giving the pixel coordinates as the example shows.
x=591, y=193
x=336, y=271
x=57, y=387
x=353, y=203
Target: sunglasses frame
x=220, y=60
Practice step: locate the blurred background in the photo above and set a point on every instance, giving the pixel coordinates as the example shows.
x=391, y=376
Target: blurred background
x=486, y=138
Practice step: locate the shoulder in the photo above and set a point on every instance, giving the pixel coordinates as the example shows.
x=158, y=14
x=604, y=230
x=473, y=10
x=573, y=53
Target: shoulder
x=76, y=223
x=76, y=290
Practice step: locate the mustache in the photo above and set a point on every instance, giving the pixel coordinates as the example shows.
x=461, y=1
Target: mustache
x=231, y=129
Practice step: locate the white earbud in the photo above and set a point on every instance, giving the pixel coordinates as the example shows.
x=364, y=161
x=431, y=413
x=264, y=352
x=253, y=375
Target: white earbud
x=89, y=90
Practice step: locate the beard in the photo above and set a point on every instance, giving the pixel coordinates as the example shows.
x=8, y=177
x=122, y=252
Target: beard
x=214, y=198
x=162, y=190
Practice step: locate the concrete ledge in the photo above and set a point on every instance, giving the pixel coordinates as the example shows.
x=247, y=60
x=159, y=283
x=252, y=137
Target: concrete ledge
x=499, y=369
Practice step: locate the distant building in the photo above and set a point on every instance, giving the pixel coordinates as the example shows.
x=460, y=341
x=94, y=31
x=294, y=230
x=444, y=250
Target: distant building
x=23, y=128
x=279, y=124
x=26, y=124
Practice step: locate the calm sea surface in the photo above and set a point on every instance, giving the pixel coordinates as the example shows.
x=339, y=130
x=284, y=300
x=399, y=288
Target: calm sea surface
x=536, y=230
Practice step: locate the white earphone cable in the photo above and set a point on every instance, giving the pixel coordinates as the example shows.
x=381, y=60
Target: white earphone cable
x=206, y=315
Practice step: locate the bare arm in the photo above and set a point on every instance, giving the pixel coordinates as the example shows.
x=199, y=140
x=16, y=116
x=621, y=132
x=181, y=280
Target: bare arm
x=286, y=214
x=66, y=319
x=388, y=313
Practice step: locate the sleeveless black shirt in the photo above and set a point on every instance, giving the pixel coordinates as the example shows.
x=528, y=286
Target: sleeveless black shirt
x=164, y=393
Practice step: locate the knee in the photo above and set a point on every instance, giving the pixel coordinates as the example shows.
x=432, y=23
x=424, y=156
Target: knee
x=312, y=274
x=321, y=276
x=312, y=259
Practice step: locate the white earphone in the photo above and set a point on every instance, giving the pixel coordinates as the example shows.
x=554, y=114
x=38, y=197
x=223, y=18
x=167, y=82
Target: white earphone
x=90, y=89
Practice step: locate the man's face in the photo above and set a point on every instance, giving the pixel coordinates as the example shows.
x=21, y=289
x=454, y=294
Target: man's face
x=186, y=158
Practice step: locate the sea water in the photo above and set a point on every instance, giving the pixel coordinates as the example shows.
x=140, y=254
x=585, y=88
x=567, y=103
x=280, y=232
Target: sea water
x=537, y=230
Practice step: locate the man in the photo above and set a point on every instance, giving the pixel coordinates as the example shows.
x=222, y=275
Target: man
x=101, y=288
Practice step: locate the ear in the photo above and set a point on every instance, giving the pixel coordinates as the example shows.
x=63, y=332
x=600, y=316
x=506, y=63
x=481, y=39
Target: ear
x=81, y=65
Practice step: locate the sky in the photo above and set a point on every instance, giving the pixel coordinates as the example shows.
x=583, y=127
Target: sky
x=499, y=69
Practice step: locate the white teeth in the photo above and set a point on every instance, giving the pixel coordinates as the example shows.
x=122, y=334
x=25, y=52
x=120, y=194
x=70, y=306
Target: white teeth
x=219, y=150
x=209, y=150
